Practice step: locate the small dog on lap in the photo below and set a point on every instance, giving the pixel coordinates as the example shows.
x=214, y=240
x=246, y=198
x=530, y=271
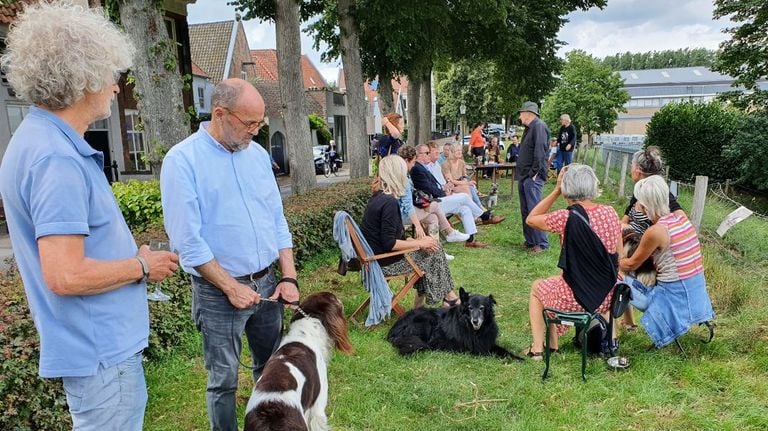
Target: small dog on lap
x=292, y=392
x=646, y=273
x=469, y=327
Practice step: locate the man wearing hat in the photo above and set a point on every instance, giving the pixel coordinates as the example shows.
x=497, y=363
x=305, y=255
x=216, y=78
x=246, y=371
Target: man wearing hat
x=532, y=171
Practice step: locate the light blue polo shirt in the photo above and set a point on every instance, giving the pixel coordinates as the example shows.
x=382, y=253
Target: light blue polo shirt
x=52, y=183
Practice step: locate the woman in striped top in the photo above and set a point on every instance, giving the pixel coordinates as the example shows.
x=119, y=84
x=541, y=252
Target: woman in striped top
x=679, y=299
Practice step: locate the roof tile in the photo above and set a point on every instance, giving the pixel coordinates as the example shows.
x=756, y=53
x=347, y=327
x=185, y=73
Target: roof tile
x=209, y=43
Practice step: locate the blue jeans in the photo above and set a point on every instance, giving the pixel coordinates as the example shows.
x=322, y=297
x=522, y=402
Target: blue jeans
x=113, y=399
x=222, y=326
x=564, y=158
x=475, y=196
x=671, y=308
x=530, y=195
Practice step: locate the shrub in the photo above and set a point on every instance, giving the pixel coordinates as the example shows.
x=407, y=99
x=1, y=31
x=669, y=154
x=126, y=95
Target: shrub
x=139, y=202
x=748, y=151
x=310, y=216
x=318, y=123
x=692, y=136
x=29, y=401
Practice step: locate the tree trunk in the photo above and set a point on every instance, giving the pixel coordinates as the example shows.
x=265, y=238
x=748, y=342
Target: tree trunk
x=357, y=138
x=425, y=109
x=157, y=88
x=299, y=141
x=412, y=106
x=386, y=103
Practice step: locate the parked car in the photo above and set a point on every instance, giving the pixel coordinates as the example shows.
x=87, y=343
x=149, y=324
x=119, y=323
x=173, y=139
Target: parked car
x=494, y=129
x=465, y=140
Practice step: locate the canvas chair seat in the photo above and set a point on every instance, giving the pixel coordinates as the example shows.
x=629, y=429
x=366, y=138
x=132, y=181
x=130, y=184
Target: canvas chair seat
x=410, y=278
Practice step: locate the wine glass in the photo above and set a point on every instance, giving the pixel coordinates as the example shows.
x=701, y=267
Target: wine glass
x=158, y=295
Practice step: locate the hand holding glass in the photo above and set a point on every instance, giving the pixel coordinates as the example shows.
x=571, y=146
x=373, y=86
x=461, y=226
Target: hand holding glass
x=158, y=295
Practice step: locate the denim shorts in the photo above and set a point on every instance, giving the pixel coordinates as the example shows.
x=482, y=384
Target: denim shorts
x=113, y=399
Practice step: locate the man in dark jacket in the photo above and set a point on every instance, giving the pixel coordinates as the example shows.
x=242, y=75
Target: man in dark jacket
x=532, y=171
x=451, y=203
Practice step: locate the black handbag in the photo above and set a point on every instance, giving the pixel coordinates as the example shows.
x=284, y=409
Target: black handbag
x=421, y=199
x=350, y=265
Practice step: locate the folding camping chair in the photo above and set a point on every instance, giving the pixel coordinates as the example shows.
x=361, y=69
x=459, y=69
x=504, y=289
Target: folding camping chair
x=410, y=277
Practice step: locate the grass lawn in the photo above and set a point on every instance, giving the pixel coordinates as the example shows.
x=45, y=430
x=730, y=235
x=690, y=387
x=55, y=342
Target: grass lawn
x=718, y=386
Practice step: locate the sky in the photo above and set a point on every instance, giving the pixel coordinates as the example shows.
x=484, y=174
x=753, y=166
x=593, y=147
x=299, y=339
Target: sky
x=624, y=25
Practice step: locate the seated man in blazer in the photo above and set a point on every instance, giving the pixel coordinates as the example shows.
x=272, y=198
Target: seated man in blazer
x=451, y=203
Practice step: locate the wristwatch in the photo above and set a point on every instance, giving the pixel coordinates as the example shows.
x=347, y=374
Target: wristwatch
x=144, y=270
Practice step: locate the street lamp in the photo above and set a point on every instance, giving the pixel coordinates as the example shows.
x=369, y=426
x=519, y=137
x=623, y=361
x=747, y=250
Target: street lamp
x=462, y=111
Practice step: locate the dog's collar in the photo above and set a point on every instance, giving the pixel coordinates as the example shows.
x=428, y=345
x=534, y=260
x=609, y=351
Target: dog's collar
x=295, y=304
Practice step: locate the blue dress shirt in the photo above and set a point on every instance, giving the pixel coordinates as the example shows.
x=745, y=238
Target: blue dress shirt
x=223, y=205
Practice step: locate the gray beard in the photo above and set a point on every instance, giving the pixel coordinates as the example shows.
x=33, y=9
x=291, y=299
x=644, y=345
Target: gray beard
x=235, y=147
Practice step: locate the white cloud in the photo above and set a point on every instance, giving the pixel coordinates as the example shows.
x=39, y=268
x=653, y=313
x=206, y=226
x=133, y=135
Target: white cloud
x=640, y=26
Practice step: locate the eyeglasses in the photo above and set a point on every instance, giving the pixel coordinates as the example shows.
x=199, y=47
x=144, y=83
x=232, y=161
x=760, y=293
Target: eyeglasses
x=422, y=152
x=251, y=127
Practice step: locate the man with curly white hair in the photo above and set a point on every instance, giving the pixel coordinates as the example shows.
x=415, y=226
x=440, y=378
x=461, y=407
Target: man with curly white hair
x=84, y=277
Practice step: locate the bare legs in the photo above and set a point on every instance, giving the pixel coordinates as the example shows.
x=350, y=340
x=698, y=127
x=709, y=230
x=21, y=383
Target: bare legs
x=535, y=309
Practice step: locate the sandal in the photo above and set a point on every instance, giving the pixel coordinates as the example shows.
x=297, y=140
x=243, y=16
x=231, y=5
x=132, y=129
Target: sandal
x=535, y=356
x=629, y=327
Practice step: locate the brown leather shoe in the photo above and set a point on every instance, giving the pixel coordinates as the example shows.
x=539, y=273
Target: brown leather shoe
x=494, y=220
x=536, y=249
x=475, y=244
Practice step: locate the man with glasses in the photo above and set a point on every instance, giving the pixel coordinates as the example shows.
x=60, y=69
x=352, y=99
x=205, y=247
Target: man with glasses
x=451, y=203
x=224, y=215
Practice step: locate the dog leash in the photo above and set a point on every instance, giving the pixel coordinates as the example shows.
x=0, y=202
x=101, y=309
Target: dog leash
x=295, y=304
x=280, y=300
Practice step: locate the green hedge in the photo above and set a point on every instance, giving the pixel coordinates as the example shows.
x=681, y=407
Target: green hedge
x=32, y=403
x=692, y=137
x=140, y=203
x=310, y=216
x=28, y=402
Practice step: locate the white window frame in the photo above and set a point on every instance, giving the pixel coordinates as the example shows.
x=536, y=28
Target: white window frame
x=136, y=145
x=23, y=109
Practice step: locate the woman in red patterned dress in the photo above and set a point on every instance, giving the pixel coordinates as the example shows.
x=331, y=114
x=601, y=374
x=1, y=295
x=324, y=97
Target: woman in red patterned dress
x=578, y=185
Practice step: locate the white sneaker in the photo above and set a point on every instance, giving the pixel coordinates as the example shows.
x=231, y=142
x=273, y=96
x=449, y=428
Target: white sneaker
x=456, y=236
x=449, y=257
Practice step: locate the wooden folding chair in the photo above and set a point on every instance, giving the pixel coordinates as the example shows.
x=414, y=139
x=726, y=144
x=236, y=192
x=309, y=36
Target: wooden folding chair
x=410, y=277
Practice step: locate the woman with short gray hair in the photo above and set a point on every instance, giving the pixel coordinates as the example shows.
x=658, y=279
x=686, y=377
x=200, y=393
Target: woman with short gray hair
x=579, y=186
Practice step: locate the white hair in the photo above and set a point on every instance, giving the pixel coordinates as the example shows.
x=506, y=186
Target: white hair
x=653, y=194
x=579, y=183
x=56, y=52
x=566, y=117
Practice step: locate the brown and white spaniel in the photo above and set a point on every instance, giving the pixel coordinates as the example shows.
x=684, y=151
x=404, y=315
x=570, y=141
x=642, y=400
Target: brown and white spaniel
x=292, y=392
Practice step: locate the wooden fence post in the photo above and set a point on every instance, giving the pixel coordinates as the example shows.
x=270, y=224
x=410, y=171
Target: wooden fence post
x=623, y=178
x=699, y=196
x=666, y=173
x=594, y=160
x=727, y=187
x=607, y=167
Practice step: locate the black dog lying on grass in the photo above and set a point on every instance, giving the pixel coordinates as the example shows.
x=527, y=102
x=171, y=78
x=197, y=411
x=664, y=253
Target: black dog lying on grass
x=469, y=327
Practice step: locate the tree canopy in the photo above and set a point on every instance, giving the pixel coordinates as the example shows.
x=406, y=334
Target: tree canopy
x=745, y=55
x=591, y=93
x=686, y=57
x=471, y=83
